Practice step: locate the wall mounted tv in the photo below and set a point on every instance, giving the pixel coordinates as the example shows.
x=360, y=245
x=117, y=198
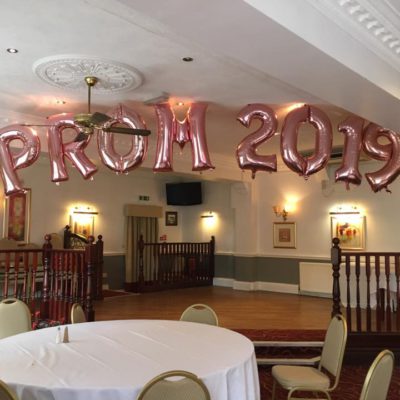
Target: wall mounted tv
x=183, y=194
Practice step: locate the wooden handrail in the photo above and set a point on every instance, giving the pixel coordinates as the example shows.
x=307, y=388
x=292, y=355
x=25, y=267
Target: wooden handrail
x=174, y=264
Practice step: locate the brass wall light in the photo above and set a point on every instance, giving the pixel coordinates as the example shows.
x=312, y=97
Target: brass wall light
x=280, y=212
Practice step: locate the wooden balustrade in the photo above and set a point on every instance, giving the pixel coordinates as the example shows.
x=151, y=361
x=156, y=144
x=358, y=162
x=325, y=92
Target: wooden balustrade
x=51, y=280
x=367, y=287
x=174, y=265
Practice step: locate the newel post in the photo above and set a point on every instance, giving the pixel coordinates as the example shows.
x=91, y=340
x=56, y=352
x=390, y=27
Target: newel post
x=90, y=255
x=212, y=256
x=44, y=306
x=336, y=256
x=99, y=267
x=67, y=237
x=141, y=266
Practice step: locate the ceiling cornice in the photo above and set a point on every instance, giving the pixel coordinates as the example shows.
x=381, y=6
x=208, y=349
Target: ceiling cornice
x=364, y=21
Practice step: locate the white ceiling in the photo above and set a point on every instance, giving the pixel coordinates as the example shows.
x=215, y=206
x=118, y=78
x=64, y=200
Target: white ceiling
x=343, y=55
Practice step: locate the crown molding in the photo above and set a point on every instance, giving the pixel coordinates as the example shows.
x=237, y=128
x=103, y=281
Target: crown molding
x=366, y=22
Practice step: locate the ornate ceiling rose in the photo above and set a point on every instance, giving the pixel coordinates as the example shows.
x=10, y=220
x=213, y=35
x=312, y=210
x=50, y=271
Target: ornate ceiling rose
x=69, y=71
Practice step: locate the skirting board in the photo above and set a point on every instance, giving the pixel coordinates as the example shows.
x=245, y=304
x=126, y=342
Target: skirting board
x=249, y=286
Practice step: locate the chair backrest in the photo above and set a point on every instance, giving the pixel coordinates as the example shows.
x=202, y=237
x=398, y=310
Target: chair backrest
x=377, y=381
x=334, y=346
x=6, y=393
x=161, y=388
x=15, y=317
x=200, y=313
x=77, y=314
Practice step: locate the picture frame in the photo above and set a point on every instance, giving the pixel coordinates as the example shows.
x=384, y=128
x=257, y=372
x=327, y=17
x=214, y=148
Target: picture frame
x=82, y=224
x=284, y=235
x=350, y=230
x=16, y=221
x=171, y=218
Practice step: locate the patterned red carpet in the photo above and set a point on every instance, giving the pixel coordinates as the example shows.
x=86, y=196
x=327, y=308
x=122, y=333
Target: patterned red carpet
x=351, y=379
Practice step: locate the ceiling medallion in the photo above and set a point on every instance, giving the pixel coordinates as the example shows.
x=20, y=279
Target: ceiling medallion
x=69, y=71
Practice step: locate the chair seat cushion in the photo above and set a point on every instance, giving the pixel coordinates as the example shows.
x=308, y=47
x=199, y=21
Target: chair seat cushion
x=290, y=376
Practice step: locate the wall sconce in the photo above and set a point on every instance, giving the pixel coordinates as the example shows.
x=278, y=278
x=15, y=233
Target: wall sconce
x=87, y=211
x=341, y=210
x=209, y=215
x=280, y=212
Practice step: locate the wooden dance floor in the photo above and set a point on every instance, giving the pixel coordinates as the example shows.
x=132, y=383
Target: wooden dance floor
x=235, y=309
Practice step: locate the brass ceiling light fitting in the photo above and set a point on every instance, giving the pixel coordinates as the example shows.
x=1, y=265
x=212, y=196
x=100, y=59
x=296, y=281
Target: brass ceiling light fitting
x=83, y=119
x=88, y=122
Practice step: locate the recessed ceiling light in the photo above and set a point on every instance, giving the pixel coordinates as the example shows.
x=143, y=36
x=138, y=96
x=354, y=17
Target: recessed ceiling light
x=187, y=59
x=12, y=50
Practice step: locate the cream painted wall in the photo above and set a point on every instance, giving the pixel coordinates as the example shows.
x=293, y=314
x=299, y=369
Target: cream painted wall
x=216, y=198
x=312, y=210
x=243, y=211
x=107, y=194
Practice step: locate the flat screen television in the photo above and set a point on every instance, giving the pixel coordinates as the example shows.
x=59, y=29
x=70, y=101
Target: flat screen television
x=183, y=194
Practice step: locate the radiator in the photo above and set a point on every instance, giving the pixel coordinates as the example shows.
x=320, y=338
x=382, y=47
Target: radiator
x=316, y=279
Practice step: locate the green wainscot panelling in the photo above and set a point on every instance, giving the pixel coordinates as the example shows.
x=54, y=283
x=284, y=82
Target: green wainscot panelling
x=114, y=271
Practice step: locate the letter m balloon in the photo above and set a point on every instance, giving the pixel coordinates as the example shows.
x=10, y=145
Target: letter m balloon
x=191, y=129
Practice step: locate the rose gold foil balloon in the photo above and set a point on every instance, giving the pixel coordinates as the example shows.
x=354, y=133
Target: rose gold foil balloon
x=246, y=153
x=306, y=166
x=379, y=180
x=22, y=158
x=74, y=151
x=371, y=145
x=165, y=137
x=138, y=148
x=191, y=129
x=348, y=172
x=323, y=141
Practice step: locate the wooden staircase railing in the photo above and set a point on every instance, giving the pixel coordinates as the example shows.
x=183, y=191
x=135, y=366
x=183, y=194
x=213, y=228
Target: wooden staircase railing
x=366, y=288
x=51, y=280
x=163, y=266
x=371, y=283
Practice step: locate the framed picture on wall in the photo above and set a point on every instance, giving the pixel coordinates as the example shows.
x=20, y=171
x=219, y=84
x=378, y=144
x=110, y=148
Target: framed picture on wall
x=82, y=224
x=284, y=235
x=17, y=216
x=171, y=218
x=350, y=230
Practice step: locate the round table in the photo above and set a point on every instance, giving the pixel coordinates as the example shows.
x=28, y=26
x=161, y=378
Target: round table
x=115, y=359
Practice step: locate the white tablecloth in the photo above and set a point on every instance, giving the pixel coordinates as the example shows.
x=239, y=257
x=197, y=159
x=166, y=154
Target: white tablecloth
x=114, y=359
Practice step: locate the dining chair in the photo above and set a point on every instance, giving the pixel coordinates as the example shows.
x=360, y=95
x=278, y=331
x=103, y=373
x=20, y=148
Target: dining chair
x=6, y=393
x=162, y=388
x=15, y=317
x=200, y=313
x=77, y=314
x=377, y=381
x=298, y=378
